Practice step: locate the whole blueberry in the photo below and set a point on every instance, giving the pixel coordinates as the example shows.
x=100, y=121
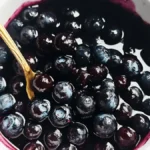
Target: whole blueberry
x=146, y=106
x=85, y=105
x=108, y=84
x=101, y=54
x=64, y=64
x=123, y=114
x=77, y=133
x=115, y=60
x=63, y=92
x=104, y=125
x=28, y=35
x=7, y=102
x=112, y=34
x=133, y=96
x=107, y=100
x=126, y=138
x=39, y=109
x=20, y=107
x=71, y=13
x=47, y=20
x=53, y=139
x=73, y=26
x=83, y=79
x=140, y=123
x=144, y=82
x=34, y=145
x=17, y=85
x=83, y=55
x=14, y=28
x=48, y=68
x=45, y=44
x=67, y=147
x=42, y=83
x=97, y=73
x=121, y=82
x=60, y=116
x=104, y=146
x=29, y=14
x=32, y=131
x=132, y=66
x=94, y=24
x=12, y=125
x=65, y=43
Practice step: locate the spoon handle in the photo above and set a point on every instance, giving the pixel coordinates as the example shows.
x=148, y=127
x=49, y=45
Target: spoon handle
x=28, y=73
x=14, y=49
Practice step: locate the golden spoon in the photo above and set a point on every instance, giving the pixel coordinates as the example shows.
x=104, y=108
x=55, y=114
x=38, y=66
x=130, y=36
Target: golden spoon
x=28, y=73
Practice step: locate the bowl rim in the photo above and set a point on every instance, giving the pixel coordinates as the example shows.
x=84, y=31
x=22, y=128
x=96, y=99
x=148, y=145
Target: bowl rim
x=8, y=143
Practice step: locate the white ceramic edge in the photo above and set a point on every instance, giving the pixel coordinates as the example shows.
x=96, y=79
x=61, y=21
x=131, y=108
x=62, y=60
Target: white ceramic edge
x=8, y=7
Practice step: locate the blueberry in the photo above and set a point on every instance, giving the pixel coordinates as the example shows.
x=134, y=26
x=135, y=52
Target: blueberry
x=104, y=125
x=28, y=35
x=123, y=114
x=144, y=82
x=146, y=106
x=63, y=92
x=34, y=145
x=121, y=82
x=47, y=20
x=20, y=107
x=64, y=64
x=12, y=125
x=4, y=54
x=65, y=43
x=104, y=146
x=133, y=96
x=83, y=55
x=77, y=133
x=15, y=27
x=7, y=101
x=73, y=26
x=107, y=100
x=140, y=123
x=32, y=131
x=83, y=79
x=60, y=116
x=48, y=68
x=112, y=34
x=85, y=105
x=108, y=84
x=115, y=60
x=71, y=13
x=29, y=14
x=45, y=44
x=97, y=73
x=39, y=109
x=53, y=139
x=67, y=147
x=42, y=83
x=17, y=85
x=101, y=54
x=3, y=84
x=126, y=138
x=94, y=24
x=132, y=66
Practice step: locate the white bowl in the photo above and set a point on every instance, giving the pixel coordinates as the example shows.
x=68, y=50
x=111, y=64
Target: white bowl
x=9, y=7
